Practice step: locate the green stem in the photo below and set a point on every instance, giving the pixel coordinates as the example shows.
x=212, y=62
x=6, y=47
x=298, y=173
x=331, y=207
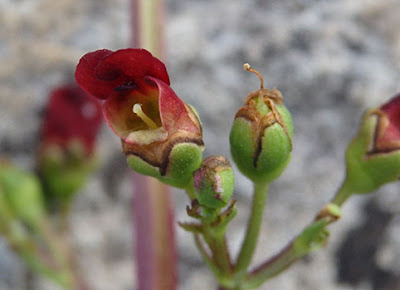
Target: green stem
x=272, y=267
x=253, y=228
x=27, y=248
x=190, y=191
x=58, y=252
x=65, y=209
x=30, y=252
x=313, y=237
x=59, y=277
x=343, y=193
x=215, y=238
x=220, y=262
x=209, y=261
x=152, y=209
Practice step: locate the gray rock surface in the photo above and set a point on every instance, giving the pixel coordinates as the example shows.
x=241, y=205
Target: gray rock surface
x=330, y=59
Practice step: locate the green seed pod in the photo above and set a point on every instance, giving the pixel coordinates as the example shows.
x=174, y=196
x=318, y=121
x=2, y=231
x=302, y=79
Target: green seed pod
x=373, y=156
x=261, y=135
x=23, y=194
x=214, y=182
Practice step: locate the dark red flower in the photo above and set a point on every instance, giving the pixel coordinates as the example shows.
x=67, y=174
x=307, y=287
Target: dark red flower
x=71, y=116
x=140, y=107
x=387, y=135
x=102, y=72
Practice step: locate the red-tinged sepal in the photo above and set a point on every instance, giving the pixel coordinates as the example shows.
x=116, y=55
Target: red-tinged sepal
x=387, y=134
x=373, y=156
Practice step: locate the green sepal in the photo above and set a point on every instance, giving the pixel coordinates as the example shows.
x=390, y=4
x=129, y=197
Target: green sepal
x=184, y=159
x=312, y=238
x=6, y=213
x=23, y=194
x=209, y=215
x=214, y=182
x=275, y=148
x=206, y=196
x=191, y=227
x=17, y=234
x=226, y=217
x=65, y=173
x=367, y=171
x=10, y=225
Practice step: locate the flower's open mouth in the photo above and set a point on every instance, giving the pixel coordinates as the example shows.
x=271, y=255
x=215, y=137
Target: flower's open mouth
x=135, y=116
x=132, y=111
x=149, y=114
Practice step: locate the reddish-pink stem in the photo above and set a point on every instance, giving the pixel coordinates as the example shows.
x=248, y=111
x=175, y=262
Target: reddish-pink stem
x=135, y=23
x=138, y=27
x=152, y=209
x=155, y=244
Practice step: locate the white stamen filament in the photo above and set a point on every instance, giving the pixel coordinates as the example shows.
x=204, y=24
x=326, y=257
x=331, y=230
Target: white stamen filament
x=137, y=109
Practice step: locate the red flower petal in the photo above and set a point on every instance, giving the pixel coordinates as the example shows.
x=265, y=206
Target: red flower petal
x=101, y=72
x=134, y=63
x=71, y=114
x=133, y=76
x=85, y=74
x=173, y=112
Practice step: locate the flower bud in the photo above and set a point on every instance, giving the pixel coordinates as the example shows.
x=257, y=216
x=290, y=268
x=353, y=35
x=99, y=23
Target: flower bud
x=261, y=135
x=373, y=156
x=161, y=135
x=214, y=182
x=69, y=129
x=22, y=193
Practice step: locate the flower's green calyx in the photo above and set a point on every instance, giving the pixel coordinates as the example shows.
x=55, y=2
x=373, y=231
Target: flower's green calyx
x=373, y=156
x=23, y=194
x=65, y=170
x=171, y=155
x=214, y=182
x=175, y=164
x=171, y=159
x=261, y=135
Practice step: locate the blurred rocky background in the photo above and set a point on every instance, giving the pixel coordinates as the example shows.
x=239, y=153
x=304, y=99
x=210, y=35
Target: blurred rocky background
x=331, y=60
